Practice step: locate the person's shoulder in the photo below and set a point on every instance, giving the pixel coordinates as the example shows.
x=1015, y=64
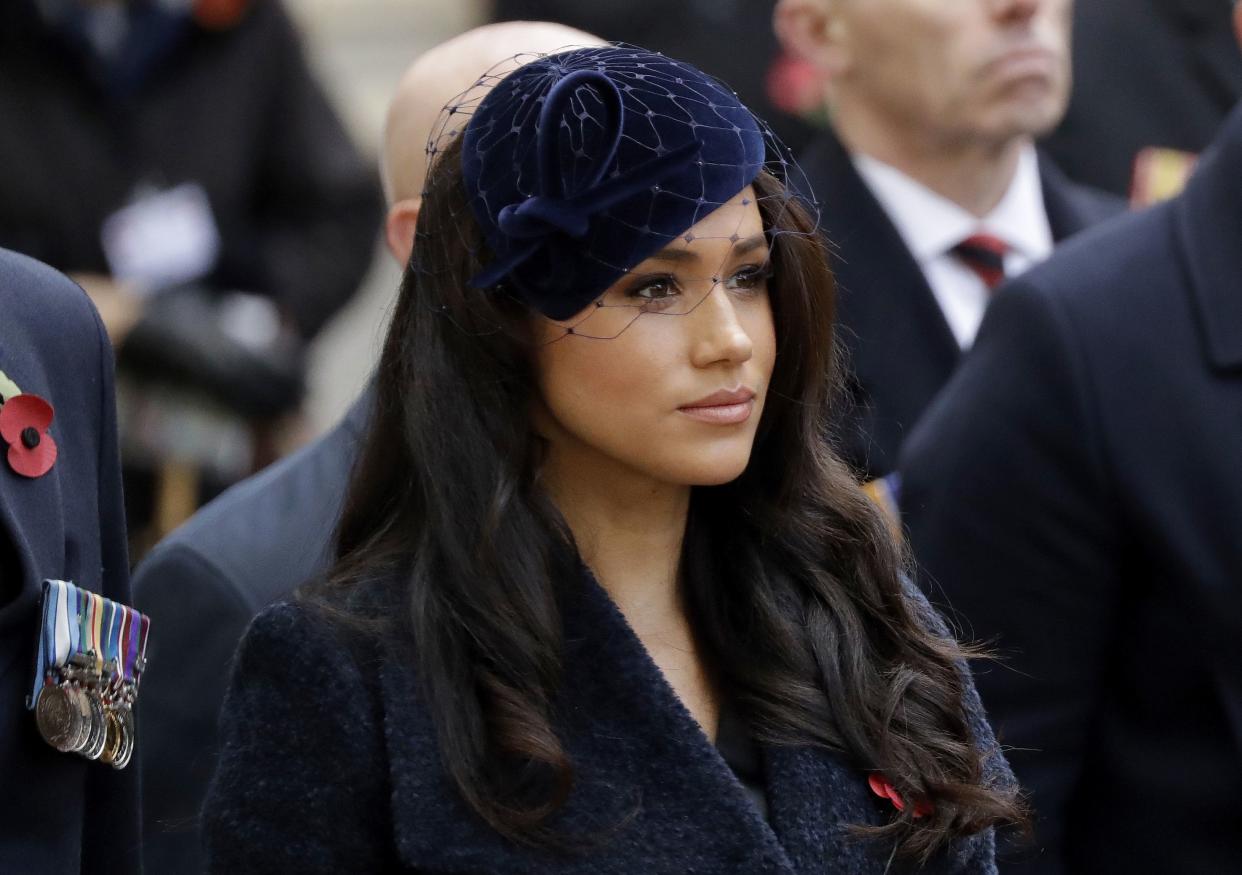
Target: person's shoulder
x=264, y=536
x=1106, y=262
x=1096, y=204
x=44, y=300
x=317, y=633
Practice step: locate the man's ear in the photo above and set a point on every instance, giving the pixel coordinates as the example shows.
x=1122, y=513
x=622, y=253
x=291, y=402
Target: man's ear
x=399, y=228
x=1237, y=20
x=813, y=30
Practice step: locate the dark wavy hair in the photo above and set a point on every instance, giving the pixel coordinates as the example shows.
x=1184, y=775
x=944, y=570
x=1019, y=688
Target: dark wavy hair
x=792, y=581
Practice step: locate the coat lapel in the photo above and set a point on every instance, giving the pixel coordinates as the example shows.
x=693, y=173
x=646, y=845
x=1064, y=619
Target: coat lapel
x=1070, y=207
x=650, y=786
x=648, y=781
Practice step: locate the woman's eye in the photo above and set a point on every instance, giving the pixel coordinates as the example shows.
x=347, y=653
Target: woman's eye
x=749, y=278
x=655, y=289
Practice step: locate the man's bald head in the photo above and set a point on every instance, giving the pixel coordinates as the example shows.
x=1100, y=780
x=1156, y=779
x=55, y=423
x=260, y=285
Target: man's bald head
x=436, y=78
x=444, y=72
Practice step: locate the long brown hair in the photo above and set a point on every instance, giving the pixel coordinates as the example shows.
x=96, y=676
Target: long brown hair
x=793, y=583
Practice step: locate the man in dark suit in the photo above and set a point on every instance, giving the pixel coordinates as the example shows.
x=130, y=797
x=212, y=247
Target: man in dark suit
x=61, y=518
x=931, y=188
x=1075, y=497
x=254, y=544
x=1147, y=74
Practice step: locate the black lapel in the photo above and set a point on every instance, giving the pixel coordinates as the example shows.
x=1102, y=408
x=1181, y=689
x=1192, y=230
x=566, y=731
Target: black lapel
x=1209, y=223
x=1072, y=207
x=901, y=349
x=644, y=769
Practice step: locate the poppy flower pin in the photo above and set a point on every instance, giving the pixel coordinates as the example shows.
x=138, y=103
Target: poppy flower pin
x=881, y=787
x=24, y=423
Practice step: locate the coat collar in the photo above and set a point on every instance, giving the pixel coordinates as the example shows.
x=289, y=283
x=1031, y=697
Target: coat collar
x=639, y=754
x=1208, y=220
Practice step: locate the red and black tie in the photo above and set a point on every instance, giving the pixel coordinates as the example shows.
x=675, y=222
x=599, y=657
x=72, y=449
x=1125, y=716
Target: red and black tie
x=985, y=255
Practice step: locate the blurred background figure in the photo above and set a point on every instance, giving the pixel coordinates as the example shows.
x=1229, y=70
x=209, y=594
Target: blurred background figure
x=931, y=186
x=1153, y=80
x=256, y=542
x=179, y=160
x=1074, y=497
x=730, y=39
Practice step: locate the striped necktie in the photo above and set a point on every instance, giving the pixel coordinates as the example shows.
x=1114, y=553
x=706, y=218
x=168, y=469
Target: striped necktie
x=985, y=255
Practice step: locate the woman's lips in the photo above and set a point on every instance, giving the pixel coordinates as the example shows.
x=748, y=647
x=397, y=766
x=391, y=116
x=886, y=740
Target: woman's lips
x=722, y=408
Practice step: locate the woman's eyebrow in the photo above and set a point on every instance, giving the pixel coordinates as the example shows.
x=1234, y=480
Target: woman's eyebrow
x=750, y=244
x=680, y=254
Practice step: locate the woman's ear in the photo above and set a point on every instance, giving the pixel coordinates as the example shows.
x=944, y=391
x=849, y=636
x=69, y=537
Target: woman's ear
x=816, y=31
x=399, y=228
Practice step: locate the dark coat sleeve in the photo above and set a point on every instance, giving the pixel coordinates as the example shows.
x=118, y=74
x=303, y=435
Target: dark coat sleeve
x=318, y=204
x=1006, y=498
x=302, y=782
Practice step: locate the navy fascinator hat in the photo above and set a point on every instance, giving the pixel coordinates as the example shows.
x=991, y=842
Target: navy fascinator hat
x=581, y=164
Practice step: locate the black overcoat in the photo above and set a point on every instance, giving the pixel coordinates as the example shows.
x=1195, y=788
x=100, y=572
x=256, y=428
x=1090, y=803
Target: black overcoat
x=58, y=812
x=900, y=349
x=330, y=763
x=1076, y=494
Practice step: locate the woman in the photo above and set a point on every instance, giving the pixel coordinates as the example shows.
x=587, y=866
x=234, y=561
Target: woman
x=605, y=601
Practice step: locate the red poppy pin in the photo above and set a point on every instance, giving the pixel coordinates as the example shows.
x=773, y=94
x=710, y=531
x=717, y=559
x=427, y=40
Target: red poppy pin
x=24, y=421
x=882, y=788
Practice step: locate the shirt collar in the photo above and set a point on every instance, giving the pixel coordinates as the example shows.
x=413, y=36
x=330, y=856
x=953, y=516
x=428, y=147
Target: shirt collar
x=931, y=224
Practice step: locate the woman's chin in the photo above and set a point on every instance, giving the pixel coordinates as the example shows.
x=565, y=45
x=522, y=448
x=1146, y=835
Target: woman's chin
x=713, y=472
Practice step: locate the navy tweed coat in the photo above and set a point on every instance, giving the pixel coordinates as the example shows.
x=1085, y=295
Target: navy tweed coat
x=329, y=763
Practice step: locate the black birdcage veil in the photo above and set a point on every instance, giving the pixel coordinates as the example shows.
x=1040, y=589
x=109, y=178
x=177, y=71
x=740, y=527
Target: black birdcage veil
x=611, y=183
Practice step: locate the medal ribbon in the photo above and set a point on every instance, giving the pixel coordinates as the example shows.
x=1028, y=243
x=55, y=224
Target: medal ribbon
x=110, y=627
x=127, y=641
x=96, y=630
x=61, y=634
x=83, y=642
x=47, y=641
x=65, y=630
x=140, y=663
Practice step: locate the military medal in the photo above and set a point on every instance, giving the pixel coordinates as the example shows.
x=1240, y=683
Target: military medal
x=90, y=658
x=58, y=717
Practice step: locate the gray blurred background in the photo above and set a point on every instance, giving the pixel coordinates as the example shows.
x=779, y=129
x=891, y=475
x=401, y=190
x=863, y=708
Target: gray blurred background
x=359, y=48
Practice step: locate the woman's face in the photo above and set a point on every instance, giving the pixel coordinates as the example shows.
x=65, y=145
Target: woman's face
x=677, y=395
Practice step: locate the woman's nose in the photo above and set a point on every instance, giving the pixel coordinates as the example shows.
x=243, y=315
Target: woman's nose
x=719, y=334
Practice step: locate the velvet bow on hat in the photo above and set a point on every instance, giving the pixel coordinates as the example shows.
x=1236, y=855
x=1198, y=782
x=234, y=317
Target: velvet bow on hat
x=582, y=164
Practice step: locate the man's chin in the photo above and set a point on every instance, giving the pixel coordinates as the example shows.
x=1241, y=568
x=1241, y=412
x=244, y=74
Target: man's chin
x=1033, y=116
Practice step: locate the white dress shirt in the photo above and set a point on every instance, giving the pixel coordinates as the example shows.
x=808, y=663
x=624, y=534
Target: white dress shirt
x=931, y=225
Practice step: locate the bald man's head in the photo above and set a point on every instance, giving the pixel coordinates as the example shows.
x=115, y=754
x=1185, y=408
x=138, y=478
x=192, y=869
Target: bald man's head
x=436, y=78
